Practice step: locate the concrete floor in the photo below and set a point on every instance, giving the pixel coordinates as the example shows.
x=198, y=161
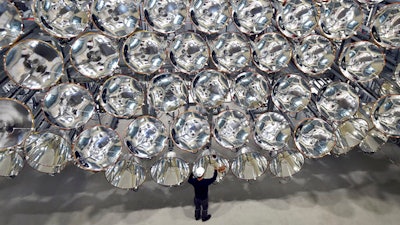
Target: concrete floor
x=353, y=189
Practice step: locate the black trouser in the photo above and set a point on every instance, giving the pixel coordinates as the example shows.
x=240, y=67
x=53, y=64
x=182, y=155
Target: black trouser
x=199, y=204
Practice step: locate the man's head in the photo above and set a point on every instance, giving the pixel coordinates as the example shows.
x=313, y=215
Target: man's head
x=199, y=172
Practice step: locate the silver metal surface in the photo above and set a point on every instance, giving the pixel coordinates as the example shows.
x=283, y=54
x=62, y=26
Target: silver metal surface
x=291, y=93
x=10, y=23
x=126, y=174
x=62, y=18
x=252, y=16
x=189, y=52
x=144, y=52
x=386, y=115
x=361, y=61
x=231, y=129
x=251, y=90
x=16, y=123
x=165, y=16
x=47, y=152
x=150, y=104
x=146, y=137
x=11, y=163
x=364, y=112
x=210, y=16
x=191, y=131
x=210, y=160
x=349, y=134
x=94, y=55
x=271, y=52
x=168, y=92
x=210, y=88
x=248, y=164
x=122, y=96
x=397, y=75
x=97, y=148
x=170, y=170
x=340, y=19
x=314, y=138
x=314, y=54
x=117, y=18
x=271, y=131
x=385, y=28
x=230, y=52
x=286, y=163
x=68, y=106
x=34, y=64
x=338, y=100
x=296, y=18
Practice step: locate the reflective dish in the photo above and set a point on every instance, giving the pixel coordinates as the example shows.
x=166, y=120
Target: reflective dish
x=165, y=16
x=68, y=106
x=11, y=24
x=170, y=170
x=314, y=138
x=340, y=19
x=146, y=137
x=94, y=55
x=122, y=96
x=191, y=131
x=230, y=52
x=116, y=18
x=61, y=18
x=338, y=100
x=296, y=18
x=370, y=2
x=286, y=163
x=373, y=141
x=385, y=27
x=210, y=16
x=291, y=93
x=251, y=90
x=210, y=160
x=126, y=174
x=314, y=55
x=210, y=88
x=34, y=64
x=167, y=92
x=231, y=129
x=271, y=52
x=16, y=122
x=11, y=163
x=144, y=52
x=271, y=131
x=361, y=61
x=252, y=16
x=97, y=148
x=189, y=52
x=389, y=88
x=248, y=164
x=47, y=152
x=386, y=115
x=349, y=134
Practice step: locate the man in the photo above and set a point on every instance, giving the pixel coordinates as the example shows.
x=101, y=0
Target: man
x=200, y=185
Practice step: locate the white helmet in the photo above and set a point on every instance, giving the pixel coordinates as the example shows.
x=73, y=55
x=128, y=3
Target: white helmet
x=199, y=172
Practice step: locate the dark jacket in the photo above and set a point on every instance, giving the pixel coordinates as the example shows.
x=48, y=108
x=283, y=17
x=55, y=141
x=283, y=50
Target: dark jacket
x=201, y=187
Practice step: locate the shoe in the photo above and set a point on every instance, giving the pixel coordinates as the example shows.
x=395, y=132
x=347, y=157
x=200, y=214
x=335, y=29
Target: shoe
x=204, y=219
x=197, y=218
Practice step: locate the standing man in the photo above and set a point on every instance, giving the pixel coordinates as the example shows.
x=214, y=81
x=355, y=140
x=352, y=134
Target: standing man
x=200, y=185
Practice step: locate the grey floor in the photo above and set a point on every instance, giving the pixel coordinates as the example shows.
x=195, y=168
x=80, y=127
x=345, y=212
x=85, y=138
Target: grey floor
x=354, y=189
